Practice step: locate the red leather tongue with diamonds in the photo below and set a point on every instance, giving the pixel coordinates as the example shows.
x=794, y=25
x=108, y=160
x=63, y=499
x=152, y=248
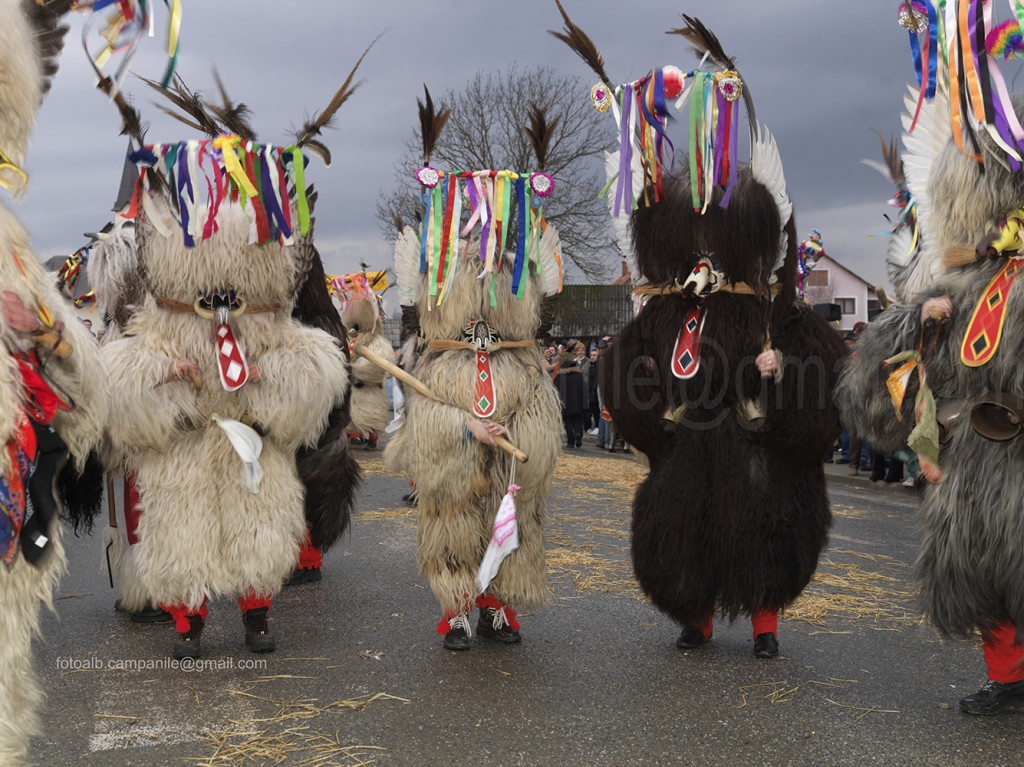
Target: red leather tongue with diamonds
x=234, y=370
x=484, y=401
x=686, y=354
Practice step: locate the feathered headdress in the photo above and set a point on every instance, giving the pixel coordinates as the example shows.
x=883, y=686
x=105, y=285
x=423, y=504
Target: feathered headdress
x=641, y=111
x=200, y=175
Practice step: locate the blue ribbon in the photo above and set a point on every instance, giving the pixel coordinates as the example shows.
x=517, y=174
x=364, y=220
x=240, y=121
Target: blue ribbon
x=270, y=203
x=521, y=203
x=183, y=181
x=933, y=50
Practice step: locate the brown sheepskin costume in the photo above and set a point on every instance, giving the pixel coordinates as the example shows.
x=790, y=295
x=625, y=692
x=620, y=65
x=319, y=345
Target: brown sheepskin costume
x=29, y=42
x=460, y=482
x=369, y=410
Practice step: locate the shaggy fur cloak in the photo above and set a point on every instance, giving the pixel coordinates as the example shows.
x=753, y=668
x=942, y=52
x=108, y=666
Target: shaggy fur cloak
x=733, y=514
x=201, y=532
x=972, y=551
x=29, y=42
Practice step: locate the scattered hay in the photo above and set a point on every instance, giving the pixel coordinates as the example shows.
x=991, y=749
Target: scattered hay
x=845, y=589
x=278, y=738
x=621, y=473
x=402, y=514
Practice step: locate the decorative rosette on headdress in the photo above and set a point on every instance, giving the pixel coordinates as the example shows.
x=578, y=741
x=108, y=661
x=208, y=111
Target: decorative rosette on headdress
x=490, y=195
x=256, y=175
x=967, y=31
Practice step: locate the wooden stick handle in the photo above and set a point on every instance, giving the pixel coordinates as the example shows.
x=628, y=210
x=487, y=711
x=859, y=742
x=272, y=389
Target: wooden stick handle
x=423, y=389
x=196, y=379
x=111, y=507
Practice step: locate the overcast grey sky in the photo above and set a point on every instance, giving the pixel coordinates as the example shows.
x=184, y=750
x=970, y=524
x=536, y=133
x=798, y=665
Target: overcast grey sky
x=823, y=75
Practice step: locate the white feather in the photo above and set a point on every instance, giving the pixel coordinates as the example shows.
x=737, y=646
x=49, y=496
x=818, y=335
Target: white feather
x=881, y=167
x=550, y=267
x=766, y=167
x=407, y=265
x=922, y=147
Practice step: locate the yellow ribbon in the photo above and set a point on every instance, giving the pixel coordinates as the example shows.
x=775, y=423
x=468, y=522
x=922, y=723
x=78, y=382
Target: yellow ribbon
x=226, y=145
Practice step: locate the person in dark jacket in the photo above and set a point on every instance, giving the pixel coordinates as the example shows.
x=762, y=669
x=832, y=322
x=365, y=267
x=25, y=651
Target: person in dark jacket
x=571, y=391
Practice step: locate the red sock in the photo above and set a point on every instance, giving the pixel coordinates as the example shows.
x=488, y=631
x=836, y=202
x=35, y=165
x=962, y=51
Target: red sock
x=1003, y=656
x=765, y=622
x=181, y=614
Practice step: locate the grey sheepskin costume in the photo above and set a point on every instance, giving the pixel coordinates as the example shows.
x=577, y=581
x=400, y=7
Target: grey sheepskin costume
x=971, y=562
x=33, y=557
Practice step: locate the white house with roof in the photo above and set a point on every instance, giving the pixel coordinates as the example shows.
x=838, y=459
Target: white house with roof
x=832, y=283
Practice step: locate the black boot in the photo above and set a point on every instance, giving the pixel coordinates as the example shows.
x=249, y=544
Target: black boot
x=151, y=614
x=257, y=636
x=691, y=637
x=187, y=645
x=493, y=624
x=994, y=698
x=304, y=575
x=766, y=645
x=458, y=634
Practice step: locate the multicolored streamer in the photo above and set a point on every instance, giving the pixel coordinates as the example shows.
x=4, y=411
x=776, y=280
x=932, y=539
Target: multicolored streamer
x=490, y=195
x=125, y=27
x=254, y=174
x=965, y=32
x=641, y=111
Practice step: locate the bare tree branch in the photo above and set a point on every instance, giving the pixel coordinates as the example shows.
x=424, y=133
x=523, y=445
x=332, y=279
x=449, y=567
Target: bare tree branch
x=486, y=131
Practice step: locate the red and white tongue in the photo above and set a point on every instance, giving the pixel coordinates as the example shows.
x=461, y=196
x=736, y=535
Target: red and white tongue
x=234, y=370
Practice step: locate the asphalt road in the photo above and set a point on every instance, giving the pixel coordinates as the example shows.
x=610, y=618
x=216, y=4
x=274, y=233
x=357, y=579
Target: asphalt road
x=360, y=677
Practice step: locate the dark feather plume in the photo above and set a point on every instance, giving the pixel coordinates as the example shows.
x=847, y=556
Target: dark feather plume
x=893, y=161
x=397, y=219
x=312, y=127
x=704, y=39
x=131, y=122
x=583, y=46
x=193, y=110
x=540, y=132
x=234, y=117
x=44, y=16
x=431, y=124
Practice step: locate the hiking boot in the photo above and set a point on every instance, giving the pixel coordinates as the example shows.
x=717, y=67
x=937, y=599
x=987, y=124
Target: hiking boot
x=691, y=638
x=459, y=632
x=494, y=624
x=187, y=645
x=766, y=645
x=305, y=575
x=994, y=698
x=257, y=636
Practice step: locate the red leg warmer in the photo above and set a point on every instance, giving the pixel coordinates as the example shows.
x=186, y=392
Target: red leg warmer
x=310, y=556
x=765, y=621
x=1003, y=656
x=250, y=601
x=180, y=613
